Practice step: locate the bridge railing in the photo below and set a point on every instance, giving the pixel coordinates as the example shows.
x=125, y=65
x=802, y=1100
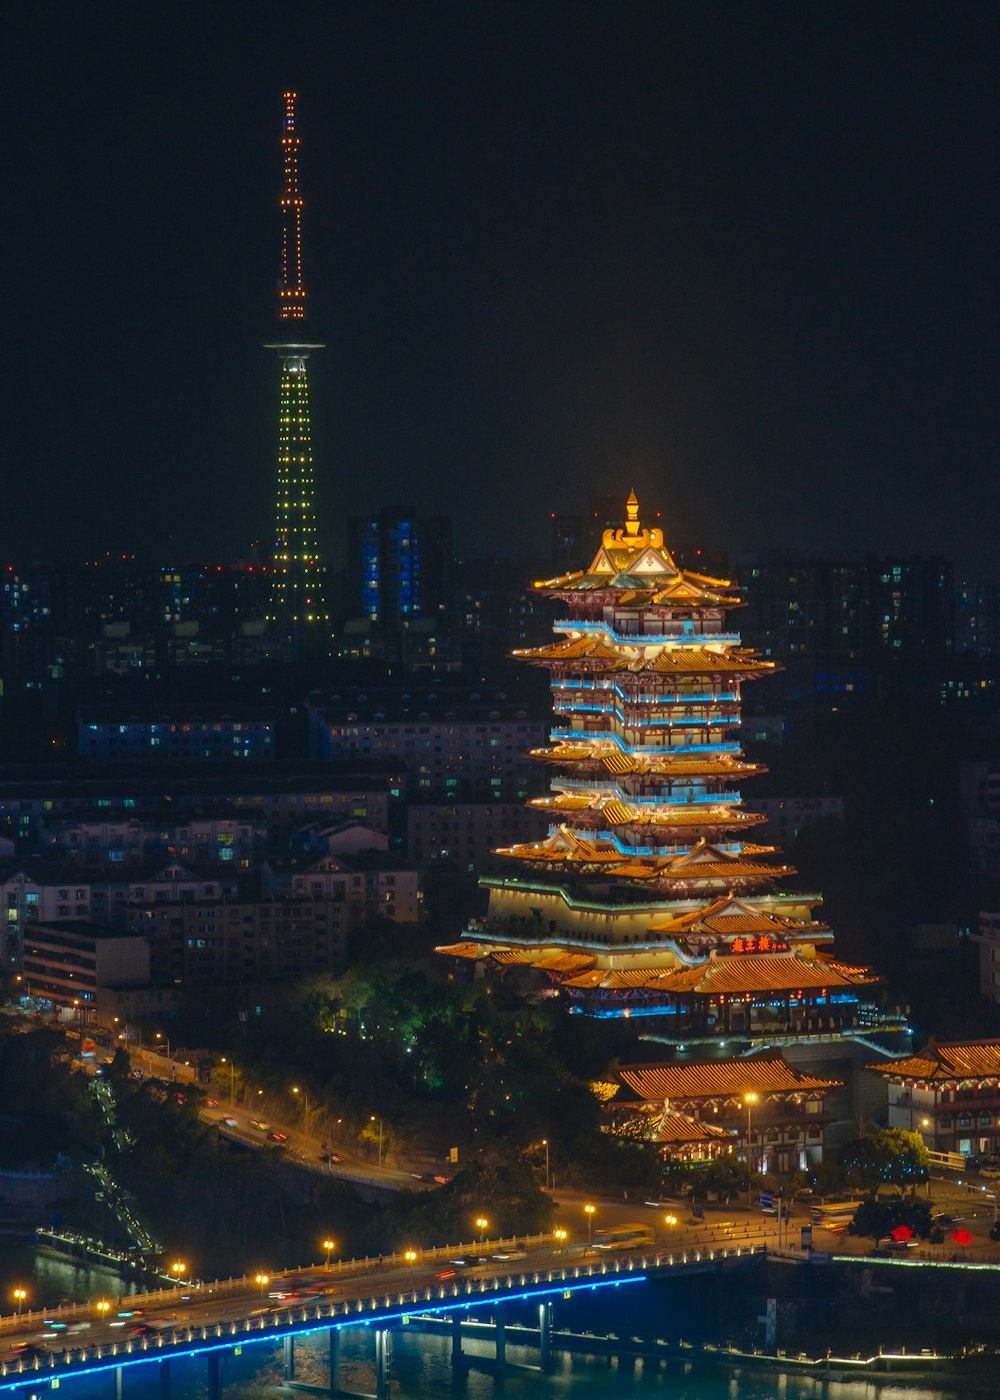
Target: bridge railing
x=433, y=1298
x=221, y=1287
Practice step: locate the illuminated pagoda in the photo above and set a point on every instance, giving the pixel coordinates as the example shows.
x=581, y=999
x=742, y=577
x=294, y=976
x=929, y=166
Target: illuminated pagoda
x=649, y=896
x=296, y=605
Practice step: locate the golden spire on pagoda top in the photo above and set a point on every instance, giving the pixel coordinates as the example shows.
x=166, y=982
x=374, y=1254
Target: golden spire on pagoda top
x=633, y=536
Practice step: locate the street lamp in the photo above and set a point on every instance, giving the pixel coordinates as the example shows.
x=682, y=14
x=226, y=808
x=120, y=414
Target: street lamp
x=545, y=1144
x=560, y=1237
x=381, y=1129
x=670, y=1221
x=749, y=1098
x=482, y=1224
x=19, y=1296
x=166, y=1040
x=178, y=1269
x=263, y=1280
x=329, y=1246
x=411, y=1258
x=232, y=1080
x=103, y=1308
x=589, y=1213
x=305, y=1098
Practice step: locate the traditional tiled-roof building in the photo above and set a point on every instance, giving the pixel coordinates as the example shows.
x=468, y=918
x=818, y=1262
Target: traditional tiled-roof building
x=759, y=1105
x=949, y=1092
x=649, y=896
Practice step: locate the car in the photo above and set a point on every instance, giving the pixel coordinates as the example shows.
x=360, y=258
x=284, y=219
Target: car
x=228, y=1122
x=991, y=1173
x=330, y=1157
x=450, y=1272
x=512, y=1254
x=279, y=1137
x=211, y=1103
x=261, y=1124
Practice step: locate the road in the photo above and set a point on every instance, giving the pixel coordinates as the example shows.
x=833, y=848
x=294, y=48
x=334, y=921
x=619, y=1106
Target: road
x=89, y=1325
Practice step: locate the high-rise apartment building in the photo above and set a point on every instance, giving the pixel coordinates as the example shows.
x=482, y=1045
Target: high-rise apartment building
x=400, y=567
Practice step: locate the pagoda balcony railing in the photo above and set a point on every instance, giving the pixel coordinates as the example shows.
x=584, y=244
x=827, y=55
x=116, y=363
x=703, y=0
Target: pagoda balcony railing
x=632, y=637
x=633, y=718
x=653, y=697
x=654, y=797
x=644, y=849
x=652, y=750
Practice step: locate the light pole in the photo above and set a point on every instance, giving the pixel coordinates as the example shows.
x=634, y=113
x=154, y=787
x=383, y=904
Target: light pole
x=329, y=1246
x=589, y=1213
x=548, y=1181
x=749, y=1098
x=560, y=1237
x=376, y=1119
x=103, y=1309
x=178, y=1269
x=482, y=1225
x=166, y=1040
x=232, y=1081
x=19, y=1296
x=411, y=1258
x=305, y=1100
x=263, y=1280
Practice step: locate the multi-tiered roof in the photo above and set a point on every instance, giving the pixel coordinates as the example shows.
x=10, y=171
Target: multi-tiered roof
x=649, y=868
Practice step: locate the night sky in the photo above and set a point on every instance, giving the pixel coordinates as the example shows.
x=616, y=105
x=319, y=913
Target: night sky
x=741, y=256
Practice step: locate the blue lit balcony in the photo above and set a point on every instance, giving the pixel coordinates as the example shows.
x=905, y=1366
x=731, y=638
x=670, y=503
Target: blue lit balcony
x=638, y=638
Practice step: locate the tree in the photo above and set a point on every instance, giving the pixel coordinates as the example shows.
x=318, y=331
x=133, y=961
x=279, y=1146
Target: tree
x=891, y=1157
x=876, y=1219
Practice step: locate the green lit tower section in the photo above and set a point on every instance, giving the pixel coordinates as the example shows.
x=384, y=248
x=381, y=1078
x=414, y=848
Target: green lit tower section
x=297, y=606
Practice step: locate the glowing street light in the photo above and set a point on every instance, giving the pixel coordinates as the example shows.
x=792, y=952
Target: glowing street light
x=178, y=1269
x=749, y=1098
x=560, y=1237
x=19, y=1296
x=410, y=1256
x=548, y=1180
x=232, y=1080
x=103, y=1308
x=263, y=1280
x=329, y=1246
x=589, y=1213
x=381, y=1130
x=305, y=1099
x=482, y=1225
x=670, y=1221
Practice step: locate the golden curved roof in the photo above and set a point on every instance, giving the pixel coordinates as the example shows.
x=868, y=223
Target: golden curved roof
x=666, y=766
x=669, y=660
x=744, y=973
x=687, y=818
x=703, y=1079
x=732, y=918
x=950, y=1060
x=677, y=1129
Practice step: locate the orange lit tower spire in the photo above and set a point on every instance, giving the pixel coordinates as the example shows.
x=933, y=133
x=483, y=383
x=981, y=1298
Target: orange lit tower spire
x=296, y=604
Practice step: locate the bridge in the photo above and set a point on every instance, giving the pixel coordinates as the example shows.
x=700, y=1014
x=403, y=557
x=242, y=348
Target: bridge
x=224, y=1318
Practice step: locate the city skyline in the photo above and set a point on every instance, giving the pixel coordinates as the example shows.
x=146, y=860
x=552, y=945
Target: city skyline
x=740, y=259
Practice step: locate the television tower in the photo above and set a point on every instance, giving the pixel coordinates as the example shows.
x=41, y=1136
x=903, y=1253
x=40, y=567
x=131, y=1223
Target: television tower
x=296, y=608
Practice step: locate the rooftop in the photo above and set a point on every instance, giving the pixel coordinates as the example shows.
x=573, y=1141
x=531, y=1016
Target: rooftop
x=704, y=1079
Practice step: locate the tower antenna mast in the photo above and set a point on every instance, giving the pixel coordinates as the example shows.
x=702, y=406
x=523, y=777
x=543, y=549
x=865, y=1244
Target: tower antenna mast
x=292, y=293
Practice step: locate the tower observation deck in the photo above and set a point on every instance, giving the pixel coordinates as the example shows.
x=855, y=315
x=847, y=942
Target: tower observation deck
x=296, y=606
